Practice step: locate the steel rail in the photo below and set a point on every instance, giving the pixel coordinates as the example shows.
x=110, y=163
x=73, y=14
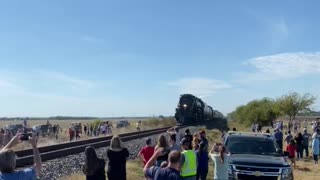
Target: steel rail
x=25, y=157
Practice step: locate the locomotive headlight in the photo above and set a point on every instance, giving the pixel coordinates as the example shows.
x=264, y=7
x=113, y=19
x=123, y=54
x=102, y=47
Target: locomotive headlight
x=185, y=106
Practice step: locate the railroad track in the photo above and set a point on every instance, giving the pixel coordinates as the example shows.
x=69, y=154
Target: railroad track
x=25, y=157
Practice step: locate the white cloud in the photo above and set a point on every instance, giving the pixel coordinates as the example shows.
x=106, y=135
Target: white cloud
x=285, y=65
x=201, y=87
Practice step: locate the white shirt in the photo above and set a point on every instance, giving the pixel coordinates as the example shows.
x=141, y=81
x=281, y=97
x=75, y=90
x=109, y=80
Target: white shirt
x=220, y=170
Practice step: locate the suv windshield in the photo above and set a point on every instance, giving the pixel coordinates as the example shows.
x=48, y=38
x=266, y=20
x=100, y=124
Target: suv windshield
x=245, y=145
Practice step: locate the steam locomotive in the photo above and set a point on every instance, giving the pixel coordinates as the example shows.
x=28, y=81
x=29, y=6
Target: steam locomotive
x=192, y=110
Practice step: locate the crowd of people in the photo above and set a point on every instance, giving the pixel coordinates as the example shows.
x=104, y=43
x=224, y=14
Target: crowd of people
x=180, y=156
x=176, y=155
x=104, y=128
x=298, y=143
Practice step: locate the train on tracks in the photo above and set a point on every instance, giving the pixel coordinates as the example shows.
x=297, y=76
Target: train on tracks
x=192, y=109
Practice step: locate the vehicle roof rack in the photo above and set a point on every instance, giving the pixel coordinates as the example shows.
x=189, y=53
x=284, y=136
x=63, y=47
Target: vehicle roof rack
x=243, y=133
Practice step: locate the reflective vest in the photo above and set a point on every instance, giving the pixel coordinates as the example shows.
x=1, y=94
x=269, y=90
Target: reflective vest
x=189, y=167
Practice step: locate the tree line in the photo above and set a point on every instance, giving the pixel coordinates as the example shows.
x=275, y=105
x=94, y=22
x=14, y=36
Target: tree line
x=266, y=110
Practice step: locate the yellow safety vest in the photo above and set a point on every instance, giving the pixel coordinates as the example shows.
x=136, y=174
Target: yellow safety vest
x=189, y=167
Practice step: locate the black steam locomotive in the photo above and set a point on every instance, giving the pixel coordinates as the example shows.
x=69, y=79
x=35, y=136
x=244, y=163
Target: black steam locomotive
x=192, y=110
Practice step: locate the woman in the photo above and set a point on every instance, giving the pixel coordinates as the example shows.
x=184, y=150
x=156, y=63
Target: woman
x=195, y=141
x=315, y=148
x=117, y=156
x=299, y=142
x=94, y=166
x=162, y=143
x=202, y=162
x=291, y=148
x=220, y=163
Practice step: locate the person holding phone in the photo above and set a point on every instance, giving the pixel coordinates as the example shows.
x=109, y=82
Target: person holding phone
x=8, y=159
x=220, y=158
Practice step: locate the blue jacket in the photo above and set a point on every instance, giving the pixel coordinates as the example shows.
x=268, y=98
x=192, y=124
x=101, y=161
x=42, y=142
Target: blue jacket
x=315, y=146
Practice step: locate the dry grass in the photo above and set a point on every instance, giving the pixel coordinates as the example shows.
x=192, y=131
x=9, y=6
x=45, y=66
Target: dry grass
x=65, y=124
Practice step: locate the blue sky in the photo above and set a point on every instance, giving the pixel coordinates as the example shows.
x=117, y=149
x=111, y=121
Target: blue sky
x=133, y=58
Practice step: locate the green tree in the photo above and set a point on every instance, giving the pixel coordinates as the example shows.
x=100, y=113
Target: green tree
x=261, y=111
x=293, y=103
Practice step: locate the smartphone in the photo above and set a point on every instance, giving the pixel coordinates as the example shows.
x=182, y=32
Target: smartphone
x=25, y=136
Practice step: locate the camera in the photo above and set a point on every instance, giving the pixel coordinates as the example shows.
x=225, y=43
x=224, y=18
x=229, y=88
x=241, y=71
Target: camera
x=25, y=136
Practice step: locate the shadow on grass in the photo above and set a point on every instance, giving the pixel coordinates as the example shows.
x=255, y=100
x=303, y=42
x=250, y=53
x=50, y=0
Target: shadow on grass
x=305, y=169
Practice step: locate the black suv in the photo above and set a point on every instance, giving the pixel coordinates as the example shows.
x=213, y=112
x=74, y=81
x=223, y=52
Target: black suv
x=256, y=157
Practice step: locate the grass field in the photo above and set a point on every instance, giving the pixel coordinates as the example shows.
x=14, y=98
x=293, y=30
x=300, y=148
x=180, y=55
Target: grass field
x=305, y=168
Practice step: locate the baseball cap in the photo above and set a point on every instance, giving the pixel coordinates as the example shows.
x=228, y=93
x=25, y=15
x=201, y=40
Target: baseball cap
x=184, y=141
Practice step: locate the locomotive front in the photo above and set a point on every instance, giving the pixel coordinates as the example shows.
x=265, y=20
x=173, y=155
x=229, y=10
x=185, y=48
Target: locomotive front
x=184, y=111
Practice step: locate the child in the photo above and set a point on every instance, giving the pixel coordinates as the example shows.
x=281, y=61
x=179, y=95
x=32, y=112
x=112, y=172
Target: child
x=315, y=148
x=146, y=152
x=291, y=148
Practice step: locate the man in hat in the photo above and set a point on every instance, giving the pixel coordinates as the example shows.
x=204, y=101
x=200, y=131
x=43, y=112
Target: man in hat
x=188, y=162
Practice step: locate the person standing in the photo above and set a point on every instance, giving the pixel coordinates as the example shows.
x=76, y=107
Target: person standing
x=204, y=140
x=146, y=152
x=71, y=134
x=77, y=134
x=117, y=159
x=188, y=161
x=315, y=148
x=253, y=127
x=162, y=143
x=85, y=128
x=91, y=130
x=173, y=143
x=138, y=126
x=94, y=166
x=220, y=163
x=195, y=141
x=279, y=138
x=175, y=131
x=306, y=138
x=299, y=143
x=288, y=137
x=202, y=165
x=189, y=137
x=291, y=148
x=305, y=124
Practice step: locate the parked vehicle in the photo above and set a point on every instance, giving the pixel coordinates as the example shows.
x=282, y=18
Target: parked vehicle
x=256, y=156
x=13, y=128
x=42, y=130
x=123, y=123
